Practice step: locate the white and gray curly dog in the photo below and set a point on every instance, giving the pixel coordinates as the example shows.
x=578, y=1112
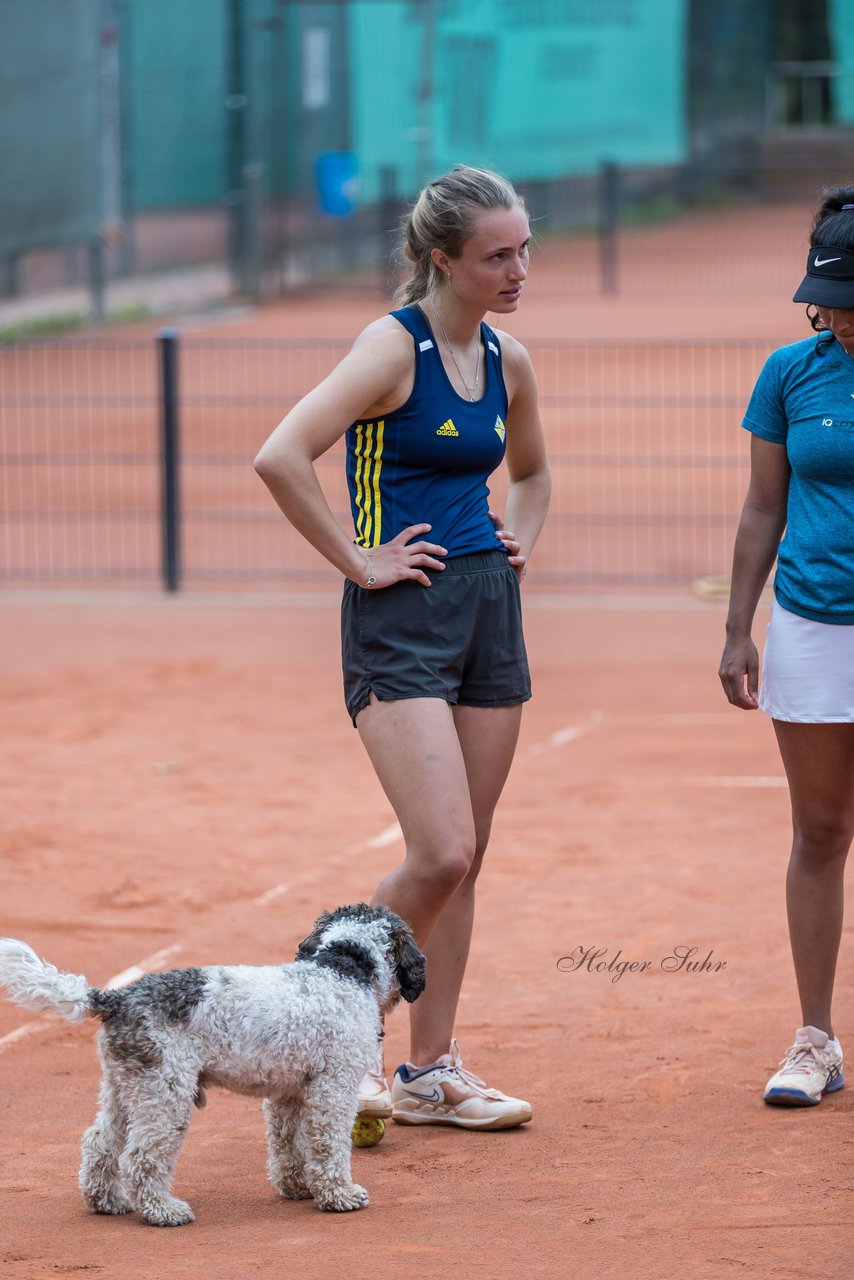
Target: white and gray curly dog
x=299, y=1035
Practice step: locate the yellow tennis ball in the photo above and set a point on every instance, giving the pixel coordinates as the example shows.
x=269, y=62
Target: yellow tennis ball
x=368, y=1131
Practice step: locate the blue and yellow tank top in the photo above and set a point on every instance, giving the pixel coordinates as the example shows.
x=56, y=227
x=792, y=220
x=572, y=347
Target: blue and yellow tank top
x=429, y=461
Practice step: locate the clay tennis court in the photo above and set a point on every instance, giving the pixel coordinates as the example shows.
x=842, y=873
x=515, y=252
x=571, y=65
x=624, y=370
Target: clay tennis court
x=182, y=786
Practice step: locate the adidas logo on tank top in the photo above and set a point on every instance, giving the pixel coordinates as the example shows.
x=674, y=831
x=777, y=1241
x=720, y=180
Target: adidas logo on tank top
x=429, y=460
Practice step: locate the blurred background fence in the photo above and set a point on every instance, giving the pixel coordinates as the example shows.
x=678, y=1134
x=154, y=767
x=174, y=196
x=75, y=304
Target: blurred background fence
x=137, y=467
x=273, y=143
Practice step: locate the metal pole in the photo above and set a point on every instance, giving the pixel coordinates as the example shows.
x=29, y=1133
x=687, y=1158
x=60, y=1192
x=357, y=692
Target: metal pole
x=111, y=127
x=110, y=154
x=387, y=238
x=127, y=250
x=243, y=178
x=97, y=275
x=9, y=274
x=609, y=216
x=170, y=503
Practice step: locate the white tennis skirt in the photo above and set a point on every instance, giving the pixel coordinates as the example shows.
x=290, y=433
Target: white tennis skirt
x=807, y=670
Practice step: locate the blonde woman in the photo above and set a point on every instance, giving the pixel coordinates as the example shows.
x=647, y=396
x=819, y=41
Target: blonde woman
x=431, y=400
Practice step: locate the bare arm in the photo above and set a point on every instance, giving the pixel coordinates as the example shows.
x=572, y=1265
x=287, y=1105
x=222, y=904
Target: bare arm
x=530, y=478
x=369, y=376
x=763, y=520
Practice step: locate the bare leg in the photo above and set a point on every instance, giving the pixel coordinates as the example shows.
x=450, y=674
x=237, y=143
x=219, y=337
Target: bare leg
x=819, y=764
x=415, y=750
x=488, y=739
x=443, y=772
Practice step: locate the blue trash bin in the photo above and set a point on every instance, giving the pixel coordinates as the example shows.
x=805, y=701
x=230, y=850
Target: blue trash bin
x=337, y=175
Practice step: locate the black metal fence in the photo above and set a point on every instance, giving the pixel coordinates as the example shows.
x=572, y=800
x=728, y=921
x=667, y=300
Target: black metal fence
x=130, y=461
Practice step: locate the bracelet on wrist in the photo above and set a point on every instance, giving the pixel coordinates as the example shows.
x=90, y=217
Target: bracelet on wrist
x=371, y=579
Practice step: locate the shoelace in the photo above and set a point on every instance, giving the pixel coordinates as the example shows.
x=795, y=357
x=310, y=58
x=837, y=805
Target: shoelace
x=468, y=1076
x=795, y=1056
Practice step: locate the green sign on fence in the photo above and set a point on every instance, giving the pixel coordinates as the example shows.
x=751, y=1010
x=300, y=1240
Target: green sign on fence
x=50, y=184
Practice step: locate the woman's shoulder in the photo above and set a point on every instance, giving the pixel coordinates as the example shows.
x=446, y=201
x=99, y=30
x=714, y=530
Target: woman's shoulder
x=386, y=337
x=514, y=355
x=802, y=352
x=790, y=368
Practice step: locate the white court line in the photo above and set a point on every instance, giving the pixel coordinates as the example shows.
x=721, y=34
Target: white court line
x=271, y=894
x=569, y=734
x=561, y=736
x=137, y=971
x=22, y=1033
x=390, y=835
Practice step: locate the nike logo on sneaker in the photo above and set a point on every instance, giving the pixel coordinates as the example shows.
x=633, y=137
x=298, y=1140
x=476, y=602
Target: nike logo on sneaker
x=820, y=262
x=434, y=1094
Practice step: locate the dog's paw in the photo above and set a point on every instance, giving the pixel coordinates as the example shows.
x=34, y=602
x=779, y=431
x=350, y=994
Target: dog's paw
x=166, y=1212
x=342, y=1199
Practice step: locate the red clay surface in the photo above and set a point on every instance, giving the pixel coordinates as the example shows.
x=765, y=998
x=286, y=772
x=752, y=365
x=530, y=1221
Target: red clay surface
x=169, y=763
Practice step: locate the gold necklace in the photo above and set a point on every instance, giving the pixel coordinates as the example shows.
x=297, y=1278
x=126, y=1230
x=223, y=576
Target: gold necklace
x=471, y=390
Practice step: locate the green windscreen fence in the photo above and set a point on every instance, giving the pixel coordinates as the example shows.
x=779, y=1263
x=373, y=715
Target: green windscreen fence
x=284, y=138
x=50, y=183
x=540, y=89
x=186, y=67
x=174, y=86
x=841, y=32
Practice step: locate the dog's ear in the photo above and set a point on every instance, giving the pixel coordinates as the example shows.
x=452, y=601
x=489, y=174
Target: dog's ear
x=410, y=964
x=308, y=947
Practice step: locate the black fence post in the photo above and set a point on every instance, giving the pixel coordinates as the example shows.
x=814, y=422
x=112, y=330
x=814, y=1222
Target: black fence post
x=97, y=278
x=609, y=219
x=170, y=496
x=9, y=275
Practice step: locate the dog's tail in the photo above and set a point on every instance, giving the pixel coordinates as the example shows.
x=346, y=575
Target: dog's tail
x=40, y=986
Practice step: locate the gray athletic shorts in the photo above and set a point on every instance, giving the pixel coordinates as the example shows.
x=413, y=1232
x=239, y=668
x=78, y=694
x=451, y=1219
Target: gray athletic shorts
x=459, y=639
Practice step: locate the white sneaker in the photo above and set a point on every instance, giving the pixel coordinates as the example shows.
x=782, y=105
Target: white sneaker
x=374, y=1094
x=445, y=1093
x=811, y=1067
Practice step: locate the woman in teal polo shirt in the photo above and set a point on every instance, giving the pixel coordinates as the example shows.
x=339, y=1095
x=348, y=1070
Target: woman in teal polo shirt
x=800, y=508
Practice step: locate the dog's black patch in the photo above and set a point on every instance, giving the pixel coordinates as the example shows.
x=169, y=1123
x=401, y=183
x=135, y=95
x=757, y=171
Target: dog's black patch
x=170, y=996
x=348, y=960
x=408, y=960
x=131, y=1013
x=358, y=912
x=410, y=964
